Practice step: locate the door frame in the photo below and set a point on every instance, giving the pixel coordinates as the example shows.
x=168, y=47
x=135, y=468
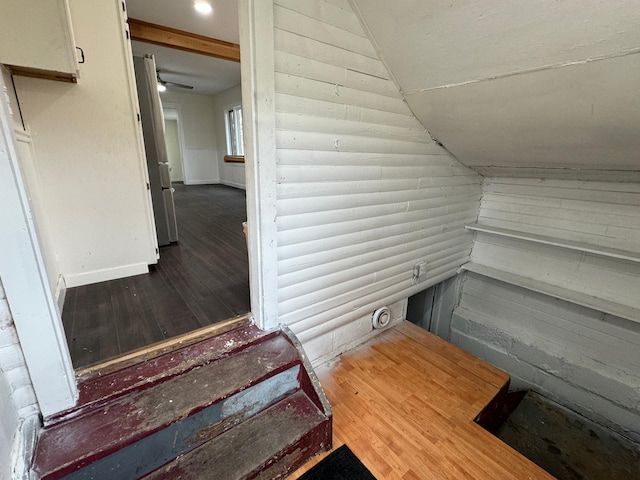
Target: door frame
x=33, y=307
x=259, y=128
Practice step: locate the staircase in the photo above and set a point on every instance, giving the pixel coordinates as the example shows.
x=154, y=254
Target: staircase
x=242, y=405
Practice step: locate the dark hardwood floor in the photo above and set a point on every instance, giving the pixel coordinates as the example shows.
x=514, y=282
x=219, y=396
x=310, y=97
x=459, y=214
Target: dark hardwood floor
x=201, y=280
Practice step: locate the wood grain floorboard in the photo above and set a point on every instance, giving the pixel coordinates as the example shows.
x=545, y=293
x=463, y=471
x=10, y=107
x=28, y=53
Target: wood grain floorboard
x=201, y=280
x=405, y=404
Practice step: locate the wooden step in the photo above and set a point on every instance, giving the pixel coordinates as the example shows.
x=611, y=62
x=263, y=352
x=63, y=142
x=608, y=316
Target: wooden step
x=273, y=443
x=188, y=398
x=105, y=384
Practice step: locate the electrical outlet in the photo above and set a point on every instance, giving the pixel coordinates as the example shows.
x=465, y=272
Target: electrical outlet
x=419, y=269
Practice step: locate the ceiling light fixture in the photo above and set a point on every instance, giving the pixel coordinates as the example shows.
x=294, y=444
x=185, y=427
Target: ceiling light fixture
x=202, y=7
x=161, y=88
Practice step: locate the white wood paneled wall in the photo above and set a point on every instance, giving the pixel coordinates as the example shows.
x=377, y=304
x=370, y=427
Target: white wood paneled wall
x=552, y=293
x=363, y=192
x=579, y=241
x=600, y=213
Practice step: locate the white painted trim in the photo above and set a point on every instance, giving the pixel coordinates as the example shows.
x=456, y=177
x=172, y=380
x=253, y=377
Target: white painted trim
x=61, y=293
x=23, y=449
x=233, y=184
x=86, y=278
x=153, y=250
x=178, y=109
x=25, y=281
x=258, y=97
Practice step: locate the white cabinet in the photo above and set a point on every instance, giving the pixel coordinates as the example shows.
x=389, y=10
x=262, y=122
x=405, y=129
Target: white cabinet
x=36, y=38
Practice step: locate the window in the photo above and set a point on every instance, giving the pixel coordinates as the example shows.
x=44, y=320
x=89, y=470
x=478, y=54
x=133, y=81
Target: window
x=234, y=131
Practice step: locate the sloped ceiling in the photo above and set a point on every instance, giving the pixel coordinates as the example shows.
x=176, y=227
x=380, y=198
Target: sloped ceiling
x=525, y=88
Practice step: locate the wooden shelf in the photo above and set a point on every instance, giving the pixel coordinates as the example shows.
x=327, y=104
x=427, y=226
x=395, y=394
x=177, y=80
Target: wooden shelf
x=579, y=298
x=557, y=242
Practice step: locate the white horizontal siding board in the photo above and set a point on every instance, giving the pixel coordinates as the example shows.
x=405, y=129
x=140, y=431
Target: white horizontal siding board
x=329, y=173
x=571, y=184
x=305, y=26
x=333, y=92
x=298, y=257
x=558, y=224
x=536, y=238
x=334, y=111
x=295, y=65
x=294, y=206
x=319, y=279
x=319, y=232
x=304, y=268
x=307, y=157
x=600, y=206
x=326, y=11
x=298, y=304
x=559, y=173
x=569, y=270
x=348, y=143
x=614, y=197
x=435, y=209
x=326, y=53
x=331, y=314
x=571, y=216
x=307, y=123
x=326, y=263
x=321, y=189
x=609, y=241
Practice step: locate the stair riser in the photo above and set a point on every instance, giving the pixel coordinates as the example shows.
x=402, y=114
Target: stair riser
x=296, y=455
x=150, y=453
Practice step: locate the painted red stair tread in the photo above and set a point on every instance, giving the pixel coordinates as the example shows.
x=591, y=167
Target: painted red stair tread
x=248, y=449
x=76, y=442
x=150, y=372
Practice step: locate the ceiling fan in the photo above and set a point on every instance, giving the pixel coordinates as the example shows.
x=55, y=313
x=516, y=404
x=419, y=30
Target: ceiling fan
x=163, y=84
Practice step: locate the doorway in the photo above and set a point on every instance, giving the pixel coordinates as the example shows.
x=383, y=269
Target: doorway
x=203, y=278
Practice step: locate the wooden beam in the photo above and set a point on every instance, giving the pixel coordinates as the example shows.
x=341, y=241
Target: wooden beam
x=181, y=40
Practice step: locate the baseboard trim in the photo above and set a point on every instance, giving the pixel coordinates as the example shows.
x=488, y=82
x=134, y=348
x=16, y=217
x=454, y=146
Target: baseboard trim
x=61, y=292
x=213, y=181
x=79, y=279
x=233, y=184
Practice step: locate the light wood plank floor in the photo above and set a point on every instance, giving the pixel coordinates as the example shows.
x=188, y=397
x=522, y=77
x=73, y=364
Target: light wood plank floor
x=404, y=403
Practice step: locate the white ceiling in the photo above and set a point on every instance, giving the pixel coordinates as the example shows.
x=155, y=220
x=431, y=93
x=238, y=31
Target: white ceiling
x=207, y=75
x=538, y=85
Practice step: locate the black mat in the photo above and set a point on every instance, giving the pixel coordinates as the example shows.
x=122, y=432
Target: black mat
x=341, y=464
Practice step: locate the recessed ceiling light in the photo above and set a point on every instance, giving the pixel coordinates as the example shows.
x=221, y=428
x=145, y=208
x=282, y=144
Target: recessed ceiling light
x=202, y=7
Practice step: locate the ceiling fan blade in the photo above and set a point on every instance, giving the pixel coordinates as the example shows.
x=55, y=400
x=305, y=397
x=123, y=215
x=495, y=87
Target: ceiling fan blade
x=171, y=84
x=178, y=85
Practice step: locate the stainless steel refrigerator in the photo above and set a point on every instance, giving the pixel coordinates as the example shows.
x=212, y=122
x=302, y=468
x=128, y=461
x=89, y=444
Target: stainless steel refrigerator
x=152, y=120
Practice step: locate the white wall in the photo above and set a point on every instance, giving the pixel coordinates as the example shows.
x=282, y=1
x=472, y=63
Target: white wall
x=363, y=192
x=231, y=174
x=174, y=154
x=553, y=298
x=88, y=153
x=200, y=154
x=17, y=398
x=38, y=206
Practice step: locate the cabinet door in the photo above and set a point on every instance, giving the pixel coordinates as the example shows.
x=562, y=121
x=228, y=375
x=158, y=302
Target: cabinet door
x=37, y=35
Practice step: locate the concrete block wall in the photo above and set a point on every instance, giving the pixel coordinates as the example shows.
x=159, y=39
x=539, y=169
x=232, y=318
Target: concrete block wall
x=582, y=358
